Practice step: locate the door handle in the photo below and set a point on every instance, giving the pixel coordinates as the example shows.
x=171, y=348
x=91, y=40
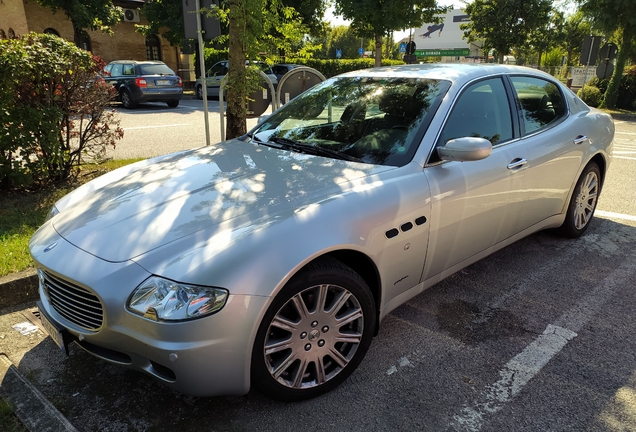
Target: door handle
x=517, y=163
x=580, y=139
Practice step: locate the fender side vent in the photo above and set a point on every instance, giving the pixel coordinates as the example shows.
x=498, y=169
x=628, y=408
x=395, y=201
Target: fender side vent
x=407, y=226
x=391, y=233
x=420, y=220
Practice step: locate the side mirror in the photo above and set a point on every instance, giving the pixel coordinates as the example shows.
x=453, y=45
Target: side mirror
x=465, y=149
x=262, y=119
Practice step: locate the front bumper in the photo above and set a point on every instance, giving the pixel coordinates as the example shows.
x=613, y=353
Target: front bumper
x=203, y=357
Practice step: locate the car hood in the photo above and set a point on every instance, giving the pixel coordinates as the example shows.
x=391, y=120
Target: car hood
x=136, y=209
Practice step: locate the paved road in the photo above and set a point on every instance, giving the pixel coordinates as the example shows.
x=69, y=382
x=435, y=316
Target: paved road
x=540, y=336
x=154, y=129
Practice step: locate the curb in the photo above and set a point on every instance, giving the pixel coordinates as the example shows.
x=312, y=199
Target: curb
x=32, y=408
x=17, y=288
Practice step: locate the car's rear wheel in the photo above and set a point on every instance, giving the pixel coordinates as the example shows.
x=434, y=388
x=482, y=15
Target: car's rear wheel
x=583, y=202
x=200, y=92
x=315, y=333
x=173, y=103
x=126, y=99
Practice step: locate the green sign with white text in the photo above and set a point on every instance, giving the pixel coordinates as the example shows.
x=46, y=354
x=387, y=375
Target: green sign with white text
x=442, y=53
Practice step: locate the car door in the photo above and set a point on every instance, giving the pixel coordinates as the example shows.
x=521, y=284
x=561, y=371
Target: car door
x=214, y=77
x=555, y=143
x=475, y=205
x=114, y=75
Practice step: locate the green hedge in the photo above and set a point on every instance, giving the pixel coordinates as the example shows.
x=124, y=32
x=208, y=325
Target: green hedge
x=331, y=68
x=627, y=89
x=328, y=68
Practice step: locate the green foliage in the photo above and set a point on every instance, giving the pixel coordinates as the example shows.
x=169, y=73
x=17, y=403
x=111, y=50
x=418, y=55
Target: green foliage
x=627, y=89
x=22, y=213
x=376, y=18
x=614, y=16
x=165, y=17
x=213, y=56
x=87, y=14
x=553, y=58
x=575, y=29
x=505, y=24
x=590, y=95
x=331, y=68
x=52, y=108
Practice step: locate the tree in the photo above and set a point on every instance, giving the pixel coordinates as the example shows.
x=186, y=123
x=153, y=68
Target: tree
x=505, y=24
x=548, y=36
x=614, y=16
x=377, y=18
x=255, y=27
x=86, y=15
x=311, y=12
x=575, y=29
x=165, y=17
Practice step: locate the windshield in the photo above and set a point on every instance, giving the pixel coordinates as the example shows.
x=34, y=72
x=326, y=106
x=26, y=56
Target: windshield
x=376, y=120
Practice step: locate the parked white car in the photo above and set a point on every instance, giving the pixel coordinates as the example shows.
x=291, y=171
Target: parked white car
x=216, y=73
x=272, y=259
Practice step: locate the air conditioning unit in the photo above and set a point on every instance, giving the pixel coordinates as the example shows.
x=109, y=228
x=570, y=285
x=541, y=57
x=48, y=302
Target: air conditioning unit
x=131, y=15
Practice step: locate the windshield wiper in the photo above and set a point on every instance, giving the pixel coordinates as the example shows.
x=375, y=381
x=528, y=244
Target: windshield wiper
x=313, y=150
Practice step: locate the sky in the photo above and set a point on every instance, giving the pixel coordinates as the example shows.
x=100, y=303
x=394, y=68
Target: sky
x=336, y=20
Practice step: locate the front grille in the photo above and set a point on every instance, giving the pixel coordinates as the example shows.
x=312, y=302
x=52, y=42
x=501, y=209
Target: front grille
x=78, y=305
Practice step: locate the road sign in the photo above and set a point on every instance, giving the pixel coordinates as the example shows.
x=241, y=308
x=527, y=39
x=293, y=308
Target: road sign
x=210, y=26
x=608, y=52
x=338, y=53
x=402, y=47
x=590, y=50
x=605, y=70
x=360, y=50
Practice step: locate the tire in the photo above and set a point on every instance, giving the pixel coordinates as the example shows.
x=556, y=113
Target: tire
x=200, y=92
x=126, y=100
x=314, y=334
x=173, y=103
x=583, y=202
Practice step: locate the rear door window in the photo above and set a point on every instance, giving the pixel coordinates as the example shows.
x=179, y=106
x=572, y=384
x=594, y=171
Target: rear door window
x=541, y=102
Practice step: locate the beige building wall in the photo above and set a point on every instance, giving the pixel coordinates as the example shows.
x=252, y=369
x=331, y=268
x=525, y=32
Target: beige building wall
x=125, y=43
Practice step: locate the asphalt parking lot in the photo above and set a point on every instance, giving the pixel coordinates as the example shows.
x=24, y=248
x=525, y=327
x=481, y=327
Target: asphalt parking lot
x=539, y=336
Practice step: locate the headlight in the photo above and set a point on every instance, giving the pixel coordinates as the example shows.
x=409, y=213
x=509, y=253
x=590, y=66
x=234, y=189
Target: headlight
x=51, y=213
x=165, y=300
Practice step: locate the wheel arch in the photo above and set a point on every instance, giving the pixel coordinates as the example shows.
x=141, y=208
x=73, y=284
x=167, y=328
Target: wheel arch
x=366, y=268
x=599, y=159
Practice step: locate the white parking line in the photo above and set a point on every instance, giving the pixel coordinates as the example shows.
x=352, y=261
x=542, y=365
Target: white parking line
x=524, y=366
x=625, y=133
x=625, y=158
x=155, y=127
x=612, y=215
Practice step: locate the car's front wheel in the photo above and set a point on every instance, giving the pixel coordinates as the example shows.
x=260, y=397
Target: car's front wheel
x=173, y=103
x=315, y=333
x=126, y=99
x=200, y=92
x=583, y=202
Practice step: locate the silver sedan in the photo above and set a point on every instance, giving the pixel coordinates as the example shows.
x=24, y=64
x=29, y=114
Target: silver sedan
x=271, y=260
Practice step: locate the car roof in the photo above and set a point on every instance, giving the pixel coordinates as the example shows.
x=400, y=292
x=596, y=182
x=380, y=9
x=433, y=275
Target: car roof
x=454, y=72
x=138, y=61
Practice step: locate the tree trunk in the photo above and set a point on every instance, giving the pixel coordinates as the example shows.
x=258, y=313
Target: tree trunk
x=378, y=49
x=611, y=94
x=539, y=60
x=236, y=94
x=501, y=57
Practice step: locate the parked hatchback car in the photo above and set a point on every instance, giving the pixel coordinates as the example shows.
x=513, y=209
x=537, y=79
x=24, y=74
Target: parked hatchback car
x=144, y=81
x=216, y=73
x=271, y=260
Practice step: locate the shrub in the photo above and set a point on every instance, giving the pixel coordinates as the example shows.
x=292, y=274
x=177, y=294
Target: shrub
x=591, y=95
x=53, y=110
